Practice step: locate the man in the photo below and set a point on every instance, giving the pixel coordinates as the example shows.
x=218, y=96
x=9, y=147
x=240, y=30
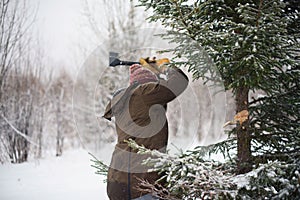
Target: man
x=140, y=115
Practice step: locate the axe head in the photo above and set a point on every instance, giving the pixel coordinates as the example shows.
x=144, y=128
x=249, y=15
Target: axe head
x=113, y=59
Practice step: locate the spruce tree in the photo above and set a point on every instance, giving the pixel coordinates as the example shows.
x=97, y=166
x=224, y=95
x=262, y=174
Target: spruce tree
x=254, y=45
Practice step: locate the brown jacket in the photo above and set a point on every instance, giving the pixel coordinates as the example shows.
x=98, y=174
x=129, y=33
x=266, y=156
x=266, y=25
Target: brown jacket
x=139, y=113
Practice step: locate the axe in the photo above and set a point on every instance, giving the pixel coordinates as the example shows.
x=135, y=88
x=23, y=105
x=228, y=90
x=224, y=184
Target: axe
x=115, y=61
x=152, y=65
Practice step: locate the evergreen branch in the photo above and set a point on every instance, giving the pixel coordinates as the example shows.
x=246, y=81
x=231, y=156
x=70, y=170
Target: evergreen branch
x=292, y=90
x=284, y=156
x=155, y=189
x=186, y=26
x=209, y=178
x=100, y=166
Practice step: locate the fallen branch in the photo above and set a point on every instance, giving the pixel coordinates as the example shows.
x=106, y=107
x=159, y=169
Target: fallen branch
x=19, y=132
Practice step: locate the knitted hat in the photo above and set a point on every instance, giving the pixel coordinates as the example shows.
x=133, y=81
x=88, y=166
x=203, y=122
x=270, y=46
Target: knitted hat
x=141, y=75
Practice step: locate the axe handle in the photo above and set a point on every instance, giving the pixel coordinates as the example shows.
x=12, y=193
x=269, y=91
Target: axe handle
x=128, y=63
x=152, y=68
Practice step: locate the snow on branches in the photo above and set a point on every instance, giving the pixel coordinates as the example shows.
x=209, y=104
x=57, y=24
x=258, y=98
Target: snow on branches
x=188, y=175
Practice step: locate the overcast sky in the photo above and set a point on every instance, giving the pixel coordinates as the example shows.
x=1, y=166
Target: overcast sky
x=58, y=24
x=64, y=31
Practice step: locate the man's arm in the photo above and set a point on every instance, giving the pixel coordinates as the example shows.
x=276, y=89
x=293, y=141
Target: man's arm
x=165, y=90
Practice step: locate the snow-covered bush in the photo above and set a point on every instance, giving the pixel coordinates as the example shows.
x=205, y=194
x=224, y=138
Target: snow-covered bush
x=275, y=180
x=188, y=176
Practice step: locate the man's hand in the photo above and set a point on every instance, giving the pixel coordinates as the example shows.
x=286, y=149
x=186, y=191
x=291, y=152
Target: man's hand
x=156, y=66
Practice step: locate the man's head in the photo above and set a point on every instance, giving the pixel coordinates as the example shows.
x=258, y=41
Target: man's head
x=141, y=75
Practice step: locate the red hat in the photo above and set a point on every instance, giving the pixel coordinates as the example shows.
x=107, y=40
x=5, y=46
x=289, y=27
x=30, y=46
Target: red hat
x=141, y=75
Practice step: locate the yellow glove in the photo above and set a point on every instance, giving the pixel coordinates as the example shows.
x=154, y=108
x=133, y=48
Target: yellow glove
x=156, y=66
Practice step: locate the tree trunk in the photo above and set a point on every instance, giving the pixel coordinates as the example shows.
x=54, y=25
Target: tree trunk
x=26, y=148
x=59, y=136
x=243, y=137
x=40, y=134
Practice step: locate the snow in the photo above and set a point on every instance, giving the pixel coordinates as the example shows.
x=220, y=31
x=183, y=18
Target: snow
x=59, y=178
x=242, y=180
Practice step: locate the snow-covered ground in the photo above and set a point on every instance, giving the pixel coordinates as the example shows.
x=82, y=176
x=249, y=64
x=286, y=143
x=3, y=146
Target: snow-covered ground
x=68, y=177
x=52, y=178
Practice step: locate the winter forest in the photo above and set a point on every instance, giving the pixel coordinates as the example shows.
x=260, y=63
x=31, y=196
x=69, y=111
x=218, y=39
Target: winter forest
x=233, y=134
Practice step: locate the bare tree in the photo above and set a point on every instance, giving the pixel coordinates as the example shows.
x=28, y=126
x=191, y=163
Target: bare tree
x=14, y=22
x=19, y=83
x=20, y=99
x=60, y=103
